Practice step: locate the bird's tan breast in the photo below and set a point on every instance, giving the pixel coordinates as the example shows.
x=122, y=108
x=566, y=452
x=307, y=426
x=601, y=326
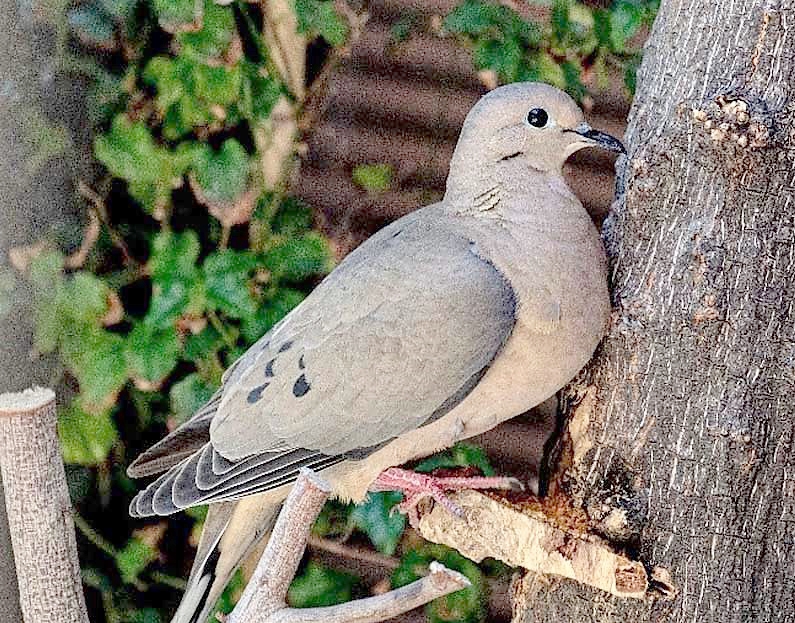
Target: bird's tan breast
x=562, y=311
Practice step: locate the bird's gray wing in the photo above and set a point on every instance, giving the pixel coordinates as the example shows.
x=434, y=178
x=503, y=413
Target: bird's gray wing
x=395, y=336
x=401, y=326
x=179, y=444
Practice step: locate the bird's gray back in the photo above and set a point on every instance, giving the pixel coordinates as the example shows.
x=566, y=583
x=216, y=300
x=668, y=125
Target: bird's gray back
x=402, y=325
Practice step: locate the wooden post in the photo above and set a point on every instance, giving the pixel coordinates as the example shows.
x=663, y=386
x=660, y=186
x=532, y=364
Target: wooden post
x=9, y=594
x=39, y=509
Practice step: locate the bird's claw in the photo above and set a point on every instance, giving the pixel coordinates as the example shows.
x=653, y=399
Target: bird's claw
x=418, y=488
x=411, y=504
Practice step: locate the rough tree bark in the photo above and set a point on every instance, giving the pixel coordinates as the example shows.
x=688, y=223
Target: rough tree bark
x=39, y=510
x=680, y=443
x=9, y=593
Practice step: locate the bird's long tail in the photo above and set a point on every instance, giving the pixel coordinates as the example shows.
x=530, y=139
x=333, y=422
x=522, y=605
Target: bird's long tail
x=231, y=531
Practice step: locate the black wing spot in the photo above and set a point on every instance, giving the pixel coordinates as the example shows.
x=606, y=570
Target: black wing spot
x=397, y=233
x=269, y=368
x=301, y=386
x=301, y=364
x=255, y=394
x=285, y=347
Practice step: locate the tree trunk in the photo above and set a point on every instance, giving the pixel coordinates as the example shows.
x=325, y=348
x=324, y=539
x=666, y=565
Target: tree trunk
x=680, y=443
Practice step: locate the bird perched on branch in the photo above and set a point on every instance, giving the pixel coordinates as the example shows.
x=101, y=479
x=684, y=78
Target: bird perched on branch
x=445, y=323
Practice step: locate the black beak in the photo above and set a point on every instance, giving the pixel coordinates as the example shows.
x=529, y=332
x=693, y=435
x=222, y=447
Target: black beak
x=599, y=139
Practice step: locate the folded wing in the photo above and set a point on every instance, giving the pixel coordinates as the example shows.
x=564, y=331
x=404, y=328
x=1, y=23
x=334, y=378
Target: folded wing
x=398, y=334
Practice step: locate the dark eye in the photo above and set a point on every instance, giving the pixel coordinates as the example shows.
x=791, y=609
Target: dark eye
x=537, y=117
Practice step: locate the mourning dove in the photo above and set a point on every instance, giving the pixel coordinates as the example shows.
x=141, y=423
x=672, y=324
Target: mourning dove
x=443, y=324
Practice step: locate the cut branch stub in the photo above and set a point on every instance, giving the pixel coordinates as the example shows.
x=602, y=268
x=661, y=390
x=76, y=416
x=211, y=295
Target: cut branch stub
x=39, y=509
x=525, y=539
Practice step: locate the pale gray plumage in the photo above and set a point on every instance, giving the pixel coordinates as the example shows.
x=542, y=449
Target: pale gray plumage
x=440, y=326
x=383, y=363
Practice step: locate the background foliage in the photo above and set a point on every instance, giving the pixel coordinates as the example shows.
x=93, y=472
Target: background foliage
x=193, y=250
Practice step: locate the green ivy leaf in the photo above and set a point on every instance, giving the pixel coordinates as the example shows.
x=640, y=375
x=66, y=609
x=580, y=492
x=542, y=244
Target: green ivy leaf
x=198, y=513
x=168, y=77
x=46, y=275
x=320, y=18
x=217, y=85
x=223, y=175
x=546, y=69
x=188, y=396
x=296, y=259
x=176, y=285
x=106, y=96
x=175, y=15
x=85, y=298
x=631, y=73
x=202, y=344
x=68, y=318
x=227, y=275
x=626, y=18
x=134, y=558
x=333, y=519
x=151, y=353
x=602, y=27
x=503, y=57
x=501, y=38
x=86, y=439
x=376, y=519
x=96, y=358
x=373, y=178
x=572, y=83
x=174, y=255
x=293, y=218
x=187, y=89
x=460, y=455
x=560, y=19
x=581, y=28
x=474, y=17
x=48, y=326
x=217, y=31
x=318, y=586
x=129, y=151
x=231, y=593
x=259, y=93
x=465, y=606
x=170, y=298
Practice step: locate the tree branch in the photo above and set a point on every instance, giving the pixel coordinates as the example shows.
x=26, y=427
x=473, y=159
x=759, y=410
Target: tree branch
x=527, y=538
x=264, y=599
x=39, y=509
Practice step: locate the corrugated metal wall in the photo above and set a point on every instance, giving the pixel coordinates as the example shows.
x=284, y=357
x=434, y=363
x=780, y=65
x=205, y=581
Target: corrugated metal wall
x=403, y=103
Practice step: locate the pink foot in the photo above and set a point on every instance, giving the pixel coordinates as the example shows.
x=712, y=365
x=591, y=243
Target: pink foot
x=417, y=487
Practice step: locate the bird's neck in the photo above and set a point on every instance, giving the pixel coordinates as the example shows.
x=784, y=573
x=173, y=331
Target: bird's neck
x=514, y=191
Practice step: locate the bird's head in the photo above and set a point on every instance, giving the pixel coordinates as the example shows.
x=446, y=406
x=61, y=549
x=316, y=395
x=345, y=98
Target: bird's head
x=529, y=120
